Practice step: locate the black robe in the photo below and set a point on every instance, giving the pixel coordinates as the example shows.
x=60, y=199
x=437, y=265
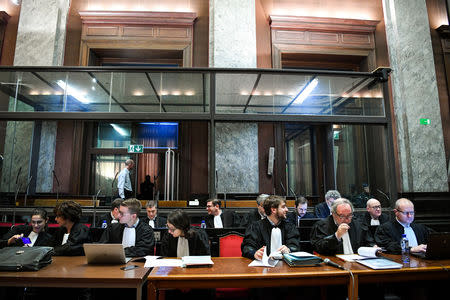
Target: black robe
x=370, y=229
x=160, y=222
x=229, y=219
x=79, y=234
x=43, y=238
x=106, y=217
x=250, y=218
x=322, y=210
x=259, y=233
x=198, y=244
x=292, y=217
x=390, y=233
x=145, y=241
x=324, y=240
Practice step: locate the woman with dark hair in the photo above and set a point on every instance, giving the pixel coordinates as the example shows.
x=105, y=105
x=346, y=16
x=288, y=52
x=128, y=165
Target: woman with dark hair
x=30, y=235
x=68, y=240
x=182, y=239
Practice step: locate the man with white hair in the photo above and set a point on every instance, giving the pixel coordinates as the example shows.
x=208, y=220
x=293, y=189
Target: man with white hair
x=388, y=235
x=257, y=213
x=373, y=218
x=322, y=210
x=339, y=233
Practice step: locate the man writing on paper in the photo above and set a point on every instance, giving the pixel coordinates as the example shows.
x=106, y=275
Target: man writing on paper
x=135, y=236
x=271, y=234
x=338, y=233
x=388, y=235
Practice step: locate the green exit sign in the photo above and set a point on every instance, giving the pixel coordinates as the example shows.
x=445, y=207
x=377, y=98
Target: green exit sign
x=425, y=121
x=135, y=148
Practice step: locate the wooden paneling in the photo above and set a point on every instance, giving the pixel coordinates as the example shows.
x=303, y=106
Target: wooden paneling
x=137, y=30
x=263, y=51
x=199, y=157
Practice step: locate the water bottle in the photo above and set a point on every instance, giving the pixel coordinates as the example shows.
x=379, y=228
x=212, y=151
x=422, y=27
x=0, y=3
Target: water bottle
x=203, y=225
x=104, y=224
x=404, y=244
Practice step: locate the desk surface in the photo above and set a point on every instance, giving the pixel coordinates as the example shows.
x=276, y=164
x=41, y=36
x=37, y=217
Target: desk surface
x=75, y=272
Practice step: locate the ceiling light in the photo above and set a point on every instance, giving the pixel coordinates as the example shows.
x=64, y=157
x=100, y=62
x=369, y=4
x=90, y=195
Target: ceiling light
x=120, y=130
x=73, y=92
x=176, y=93
x=189, y=93
x=306, y=91
x=138, y=93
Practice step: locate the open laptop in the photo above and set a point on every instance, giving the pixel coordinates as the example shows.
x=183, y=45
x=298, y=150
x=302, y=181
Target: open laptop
x=438, y=246
x=112, y=254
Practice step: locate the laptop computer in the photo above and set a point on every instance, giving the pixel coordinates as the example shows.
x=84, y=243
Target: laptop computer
x=438, y=246
x=112, y=254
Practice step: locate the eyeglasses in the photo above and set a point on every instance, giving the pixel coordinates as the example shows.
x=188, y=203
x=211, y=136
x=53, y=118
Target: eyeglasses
x=411, y=213
x=302, y=209
x=345, y=217
x=376, y=207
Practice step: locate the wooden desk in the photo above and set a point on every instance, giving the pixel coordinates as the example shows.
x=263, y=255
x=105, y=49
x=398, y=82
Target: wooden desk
x=74, y=272
x=235, y=272
x=418, y=269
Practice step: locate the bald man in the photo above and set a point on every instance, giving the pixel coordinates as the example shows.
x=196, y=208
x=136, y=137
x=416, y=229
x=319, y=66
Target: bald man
x=389, y=234
x=373, y=218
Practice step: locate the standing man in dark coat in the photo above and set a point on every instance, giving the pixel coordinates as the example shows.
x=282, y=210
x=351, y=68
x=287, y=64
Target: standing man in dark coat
x=256, y=214
x=338, y=233
x=271, y=234
x=389, y=234
x=135, y=236
x=322, y=210
x=220, y=219
x=373, y=218
x=152, y=218
x=300, y=212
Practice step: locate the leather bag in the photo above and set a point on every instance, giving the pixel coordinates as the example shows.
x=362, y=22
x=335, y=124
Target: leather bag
x=25, y=258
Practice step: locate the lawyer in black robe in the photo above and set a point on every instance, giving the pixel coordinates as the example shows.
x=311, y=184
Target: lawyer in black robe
x=145, y=241
x=388, y=235
x=43, y=238
x=324, y=240
x=79, y=234
x=370, y=229
x=160, y=222
x=229, y=219
x=198, y=243
x=322, y=210
x=292, y=217
x=259, y=234
x=250, y=218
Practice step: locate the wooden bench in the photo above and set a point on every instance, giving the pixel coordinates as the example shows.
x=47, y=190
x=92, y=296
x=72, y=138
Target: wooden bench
x=248, y=203
x=52, y=202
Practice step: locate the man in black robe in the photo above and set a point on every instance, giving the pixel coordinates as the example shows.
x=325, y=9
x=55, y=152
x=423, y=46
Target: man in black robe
x=217, y=218
x=389, y=234
x=112, y=216
x=300, y=212
x=373, y=218
x=136, y=236
x=273, y=230
x=338, y=233
x=256, y=214
x=152, y=218
x=322, y=210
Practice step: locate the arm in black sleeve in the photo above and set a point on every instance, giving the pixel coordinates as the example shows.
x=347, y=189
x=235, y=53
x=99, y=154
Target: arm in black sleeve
x=165, y=245
x=322, y=241
x=145, y=242
x=201, y=246
x=252, y=241
x=292, y=237
x=386, y=240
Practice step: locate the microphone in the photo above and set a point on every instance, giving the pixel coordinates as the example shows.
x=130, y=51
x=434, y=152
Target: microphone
x=57, y=189
x=95, y=207
x=15, y=196
x=282, y=186
x=26, y=191
x=292, y=191
x=112, y=184
x=327, y=261
x=382, y=193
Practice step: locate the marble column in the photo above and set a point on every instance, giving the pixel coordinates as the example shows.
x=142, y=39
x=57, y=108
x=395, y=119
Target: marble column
x=232, y=44
x=40, y=42
x=420, y=147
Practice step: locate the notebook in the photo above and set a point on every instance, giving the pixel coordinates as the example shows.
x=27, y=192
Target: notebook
x=112, y=254
x=438, y=246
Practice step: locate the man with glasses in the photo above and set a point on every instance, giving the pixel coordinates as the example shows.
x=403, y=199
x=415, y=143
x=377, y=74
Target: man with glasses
x=388, y=235
x=338, y=233
x=135, y=236
x=373, y=218
x=300, y=212
x=217, y=218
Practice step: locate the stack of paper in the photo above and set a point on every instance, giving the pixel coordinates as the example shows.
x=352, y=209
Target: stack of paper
x=197, y=261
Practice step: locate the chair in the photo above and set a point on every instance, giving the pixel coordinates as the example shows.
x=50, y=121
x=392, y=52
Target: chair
x=230, y=246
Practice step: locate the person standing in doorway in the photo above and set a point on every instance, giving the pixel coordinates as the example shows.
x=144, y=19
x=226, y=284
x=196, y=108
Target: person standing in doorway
x=124, y=186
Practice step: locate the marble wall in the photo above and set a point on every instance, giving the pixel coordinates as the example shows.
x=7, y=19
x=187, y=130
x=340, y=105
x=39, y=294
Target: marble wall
x=232, y=34
x=237, y=157
x=420, y=147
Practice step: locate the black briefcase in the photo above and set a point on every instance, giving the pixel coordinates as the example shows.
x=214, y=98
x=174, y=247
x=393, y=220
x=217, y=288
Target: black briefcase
x=25, y=258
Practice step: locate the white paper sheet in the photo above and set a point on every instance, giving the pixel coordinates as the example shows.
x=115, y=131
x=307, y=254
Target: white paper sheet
x=265, y=262
x=163, y=263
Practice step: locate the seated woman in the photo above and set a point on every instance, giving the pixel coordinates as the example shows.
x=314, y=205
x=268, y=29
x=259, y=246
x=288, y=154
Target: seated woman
x=36, y=232
x=182, y=239
x=68, y=240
